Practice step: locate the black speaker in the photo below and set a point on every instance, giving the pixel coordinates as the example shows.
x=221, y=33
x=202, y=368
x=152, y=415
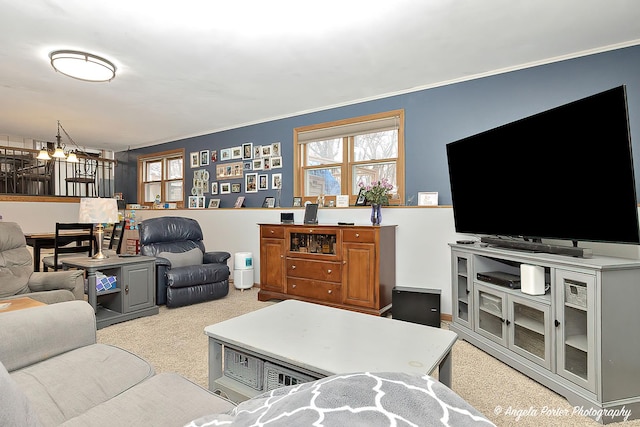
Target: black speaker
x=416, y=305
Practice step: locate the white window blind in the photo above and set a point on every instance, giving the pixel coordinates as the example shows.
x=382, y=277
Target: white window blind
x=359, y=128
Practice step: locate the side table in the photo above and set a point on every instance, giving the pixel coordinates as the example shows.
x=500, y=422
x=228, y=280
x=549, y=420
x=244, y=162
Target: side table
x=134, y=293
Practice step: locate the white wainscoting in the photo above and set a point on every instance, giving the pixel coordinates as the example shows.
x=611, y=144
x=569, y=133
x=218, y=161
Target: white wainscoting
x=423, y=234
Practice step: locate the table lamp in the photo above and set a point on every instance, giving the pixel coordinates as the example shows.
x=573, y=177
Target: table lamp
x=98, y=211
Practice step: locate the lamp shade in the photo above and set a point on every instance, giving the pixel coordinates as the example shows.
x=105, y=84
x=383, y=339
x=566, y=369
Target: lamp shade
x=95, y=210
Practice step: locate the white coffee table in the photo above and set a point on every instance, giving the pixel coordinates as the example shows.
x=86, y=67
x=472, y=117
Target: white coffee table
x=321, y=341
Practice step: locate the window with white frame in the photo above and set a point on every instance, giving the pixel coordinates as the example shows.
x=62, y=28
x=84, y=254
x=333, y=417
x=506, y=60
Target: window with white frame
x=162, y=174
x=333, y=158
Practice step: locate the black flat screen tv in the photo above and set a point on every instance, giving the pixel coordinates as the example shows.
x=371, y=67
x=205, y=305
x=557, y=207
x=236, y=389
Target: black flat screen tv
x=566, y=173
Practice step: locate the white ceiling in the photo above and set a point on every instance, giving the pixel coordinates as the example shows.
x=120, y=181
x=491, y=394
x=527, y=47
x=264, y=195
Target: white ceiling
x=197, y=66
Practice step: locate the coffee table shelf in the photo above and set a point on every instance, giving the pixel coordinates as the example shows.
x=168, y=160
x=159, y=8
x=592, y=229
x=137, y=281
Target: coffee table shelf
x=318, y=341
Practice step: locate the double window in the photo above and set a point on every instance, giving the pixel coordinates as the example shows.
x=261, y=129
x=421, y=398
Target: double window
x=161, y=176
x=334, y=158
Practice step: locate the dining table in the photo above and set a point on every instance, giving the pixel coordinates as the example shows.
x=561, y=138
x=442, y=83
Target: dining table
x=43, y=240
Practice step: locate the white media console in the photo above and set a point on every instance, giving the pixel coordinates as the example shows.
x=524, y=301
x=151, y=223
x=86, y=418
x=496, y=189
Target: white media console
x=579, y=339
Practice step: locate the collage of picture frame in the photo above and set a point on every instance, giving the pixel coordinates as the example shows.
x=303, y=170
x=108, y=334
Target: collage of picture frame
x=250, y=160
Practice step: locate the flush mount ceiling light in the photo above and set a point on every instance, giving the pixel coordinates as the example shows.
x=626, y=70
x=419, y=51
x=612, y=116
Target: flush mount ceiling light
x=82, y=65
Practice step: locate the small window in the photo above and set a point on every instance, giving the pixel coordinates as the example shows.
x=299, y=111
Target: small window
x=333, y=158
x=162, y=175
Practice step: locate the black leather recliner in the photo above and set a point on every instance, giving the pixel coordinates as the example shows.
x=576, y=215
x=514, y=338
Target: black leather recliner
x=185, y=273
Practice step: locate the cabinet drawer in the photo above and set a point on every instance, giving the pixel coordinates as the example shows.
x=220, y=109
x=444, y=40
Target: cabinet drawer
x=272, y=232
x=311, y=269
x=324, y=291
x=359, y=235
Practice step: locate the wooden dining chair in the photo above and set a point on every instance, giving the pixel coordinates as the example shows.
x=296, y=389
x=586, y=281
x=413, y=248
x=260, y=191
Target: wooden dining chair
x=115, y=242
x=72, y=239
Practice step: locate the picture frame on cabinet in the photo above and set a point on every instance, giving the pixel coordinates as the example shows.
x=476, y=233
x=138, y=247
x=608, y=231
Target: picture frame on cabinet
x=297, y=202
x=361, y=199
x=214, y=203
x=239, y=202
x=225, y=188
x=195, y=159
x=204, y=158
x=193, y=202
x=427, y=198
x=201, y=202
x=251, y=183
x=269, y=202
x=247, y=151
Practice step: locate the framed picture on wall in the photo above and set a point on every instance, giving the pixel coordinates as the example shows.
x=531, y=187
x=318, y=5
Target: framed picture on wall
x=263, y=182
x=275, y=149
x=276, y=181
x=251, y=183
x=276, y=162
x=257, y=164
x=204, y=158
x=225, y=188
x=195, y=159
x=257, y=151
x=247, y=151
x=236, y=187
x=214, y=188
x=225, y=154
x=236, y=152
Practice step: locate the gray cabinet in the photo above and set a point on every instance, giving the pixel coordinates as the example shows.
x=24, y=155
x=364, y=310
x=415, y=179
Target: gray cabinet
x=133, y=294
x=578, y=339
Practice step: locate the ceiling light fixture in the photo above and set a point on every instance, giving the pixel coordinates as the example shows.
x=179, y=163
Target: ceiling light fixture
x=59, y=152
x=82, y=65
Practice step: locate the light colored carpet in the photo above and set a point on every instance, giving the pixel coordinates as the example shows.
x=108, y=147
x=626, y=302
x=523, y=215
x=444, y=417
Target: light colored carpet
x=174, y=341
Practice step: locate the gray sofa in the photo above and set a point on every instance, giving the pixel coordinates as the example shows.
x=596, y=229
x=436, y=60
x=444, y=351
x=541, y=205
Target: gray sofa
x=52, y=372
x=17, y=278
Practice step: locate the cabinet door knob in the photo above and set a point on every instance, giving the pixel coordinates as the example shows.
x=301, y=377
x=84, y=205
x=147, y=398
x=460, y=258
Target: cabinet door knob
x=293, y=286
x=281, y=256
x=329, y=271
x=557, y=323
x=126, y=289
x=357, y=234
x=271, y=231
x=344, y=262
x=329, y=291
x=508, y=322
x=293, y=267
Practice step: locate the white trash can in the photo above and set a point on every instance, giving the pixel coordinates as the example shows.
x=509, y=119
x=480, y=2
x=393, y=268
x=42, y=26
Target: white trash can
x=243, y=270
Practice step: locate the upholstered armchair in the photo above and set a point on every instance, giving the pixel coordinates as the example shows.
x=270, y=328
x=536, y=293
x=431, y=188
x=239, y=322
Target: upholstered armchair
x=185, y=272
x=17, y=278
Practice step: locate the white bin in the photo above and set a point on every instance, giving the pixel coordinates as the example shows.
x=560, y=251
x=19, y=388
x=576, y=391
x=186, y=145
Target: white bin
x=243, y=270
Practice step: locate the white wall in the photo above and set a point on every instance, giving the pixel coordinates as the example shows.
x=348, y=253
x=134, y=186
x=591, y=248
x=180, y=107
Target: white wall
x=423, y=234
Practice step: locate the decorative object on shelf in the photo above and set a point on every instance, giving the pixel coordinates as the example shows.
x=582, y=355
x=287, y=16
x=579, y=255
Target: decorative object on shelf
x=377, y=194
x=376, y=214
x=99, y=211
x=428, y=198
x=82, y=65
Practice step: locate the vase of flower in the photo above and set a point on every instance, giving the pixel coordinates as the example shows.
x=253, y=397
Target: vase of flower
x=376, y=214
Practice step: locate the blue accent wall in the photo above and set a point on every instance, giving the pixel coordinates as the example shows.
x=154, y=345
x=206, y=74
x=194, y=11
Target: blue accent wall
x=433, y=118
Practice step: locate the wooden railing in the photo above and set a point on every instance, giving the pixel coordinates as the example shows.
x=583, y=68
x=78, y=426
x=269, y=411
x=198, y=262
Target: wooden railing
x=22, y=173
